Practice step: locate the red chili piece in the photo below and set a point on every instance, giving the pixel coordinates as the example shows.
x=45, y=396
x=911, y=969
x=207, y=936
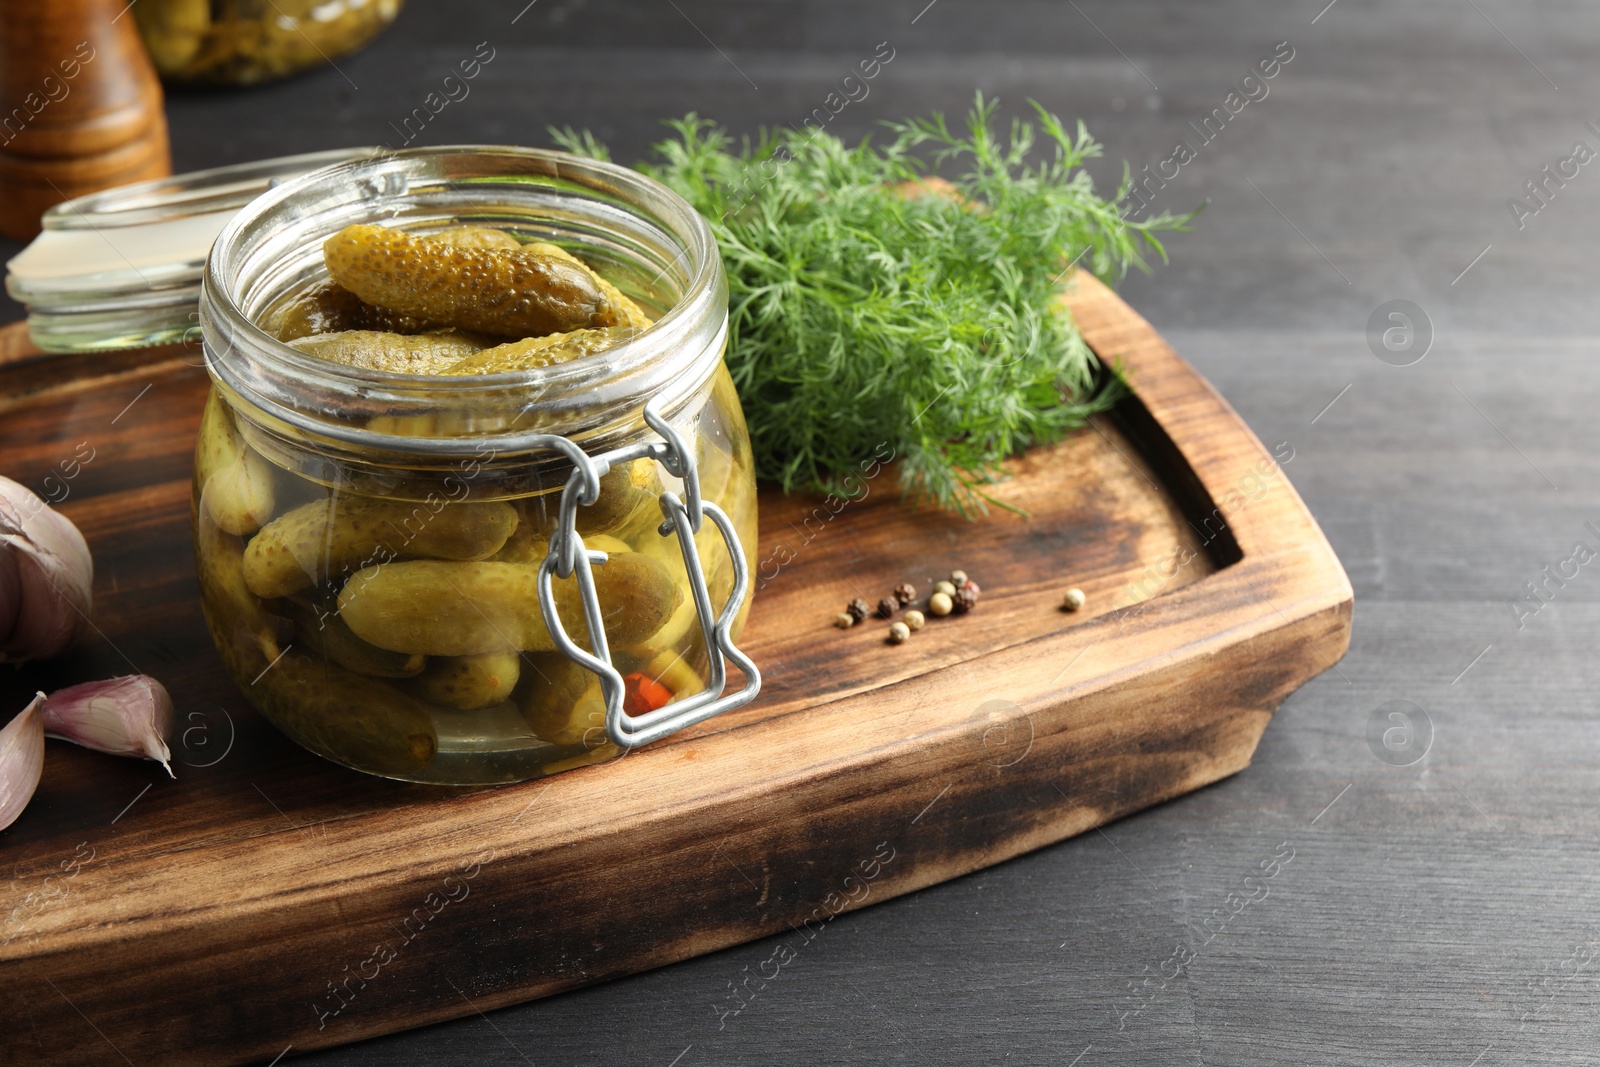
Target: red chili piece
x=642, y=693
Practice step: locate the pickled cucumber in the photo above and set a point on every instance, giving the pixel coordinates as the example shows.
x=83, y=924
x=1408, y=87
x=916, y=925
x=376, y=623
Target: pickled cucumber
x=551, y=683
x=235, y=483
x=347, y=716
x=435, y=352
x=530, y=541
x=579, y=720
x=174, y=31
x=470, y=682
x=535, y=545
x=534, y=352
x=631, y=314
x=341, y=714
x=330, y=308
x=476, y=237
x=514, y=293
x=624, y=490
x=683, y=624
x=467, y=609
x=328, y=538
x=245, y=634
x=319, y=628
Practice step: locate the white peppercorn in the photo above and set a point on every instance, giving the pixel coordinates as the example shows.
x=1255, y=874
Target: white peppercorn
x=940, y=603
x=1073, y=599
x=898, y=633
x=914, y=620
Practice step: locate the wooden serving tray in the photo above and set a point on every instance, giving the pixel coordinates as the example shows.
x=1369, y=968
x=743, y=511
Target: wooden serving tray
x=268, y=900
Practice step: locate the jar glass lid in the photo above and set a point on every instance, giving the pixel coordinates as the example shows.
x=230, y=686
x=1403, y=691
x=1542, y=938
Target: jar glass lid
x=122, y=268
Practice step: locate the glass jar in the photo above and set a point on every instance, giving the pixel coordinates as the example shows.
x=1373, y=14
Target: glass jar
x=400, y=571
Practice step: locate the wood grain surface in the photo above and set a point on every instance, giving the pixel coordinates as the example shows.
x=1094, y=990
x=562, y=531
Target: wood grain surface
x=256, y=873
x=1431, y=912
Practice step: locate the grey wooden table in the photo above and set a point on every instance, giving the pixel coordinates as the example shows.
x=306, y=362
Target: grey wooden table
x=1436, y=910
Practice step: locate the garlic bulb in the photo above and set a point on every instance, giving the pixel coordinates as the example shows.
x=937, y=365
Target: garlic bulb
x=10, y=593
x=21, y=761
x=45, y=577
x=130, y=716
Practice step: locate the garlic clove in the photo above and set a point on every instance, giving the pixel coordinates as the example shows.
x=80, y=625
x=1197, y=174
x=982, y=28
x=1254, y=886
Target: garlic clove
x=55, y=575
x=130, y=716
x=21, y=761
x=50, y=613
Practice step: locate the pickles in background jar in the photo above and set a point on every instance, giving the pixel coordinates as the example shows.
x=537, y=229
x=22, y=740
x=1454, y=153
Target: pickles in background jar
x=242, y=42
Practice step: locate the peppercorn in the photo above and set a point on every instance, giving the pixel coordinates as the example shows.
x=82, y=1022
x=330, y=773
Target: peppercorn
x=844, y=620
x=914, y=620
x=898, y=633
x=1073, y=599
x=966, y=597
x=905, y=592
x=940, y=603
x=887, y=607
x=958, y=578
x=944, y=587
x=858, y=609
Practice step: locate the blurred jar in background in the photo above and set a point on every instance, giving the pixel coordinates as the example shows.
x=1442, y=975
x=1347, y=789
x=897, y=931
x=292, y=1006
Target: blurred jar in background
x=242, y=42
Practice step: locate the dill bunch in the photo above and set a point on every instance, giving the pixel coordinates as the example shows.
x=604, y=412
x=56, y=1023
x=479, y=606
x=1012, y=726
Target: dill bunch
x=864, y=311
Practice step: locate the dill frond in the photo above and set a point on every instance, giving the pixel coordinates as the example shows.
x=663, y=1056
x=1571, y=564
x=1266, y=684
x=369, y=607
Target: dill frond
x=861, y=315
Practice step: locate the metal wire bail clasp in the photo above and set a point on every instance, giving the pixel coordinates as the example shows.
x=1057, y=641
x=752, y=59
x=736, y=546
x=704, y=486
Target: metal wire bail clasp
x=568, y=557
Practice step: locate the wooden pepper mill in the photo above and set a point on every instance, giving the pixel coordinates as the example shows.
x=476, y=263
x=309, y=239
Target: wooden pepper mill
x=80, y=106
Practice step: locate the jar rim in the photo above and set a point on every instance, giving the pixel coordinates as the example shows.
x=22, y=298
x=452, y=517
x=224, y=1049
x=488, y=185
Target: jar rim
x=596, y=398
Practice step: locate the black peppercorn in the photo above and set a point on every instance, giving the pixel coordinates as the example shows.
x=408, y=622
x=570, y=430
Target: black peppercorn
x=905, y=592
x=857, y=609
x=887, y=607
x=966, y=598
